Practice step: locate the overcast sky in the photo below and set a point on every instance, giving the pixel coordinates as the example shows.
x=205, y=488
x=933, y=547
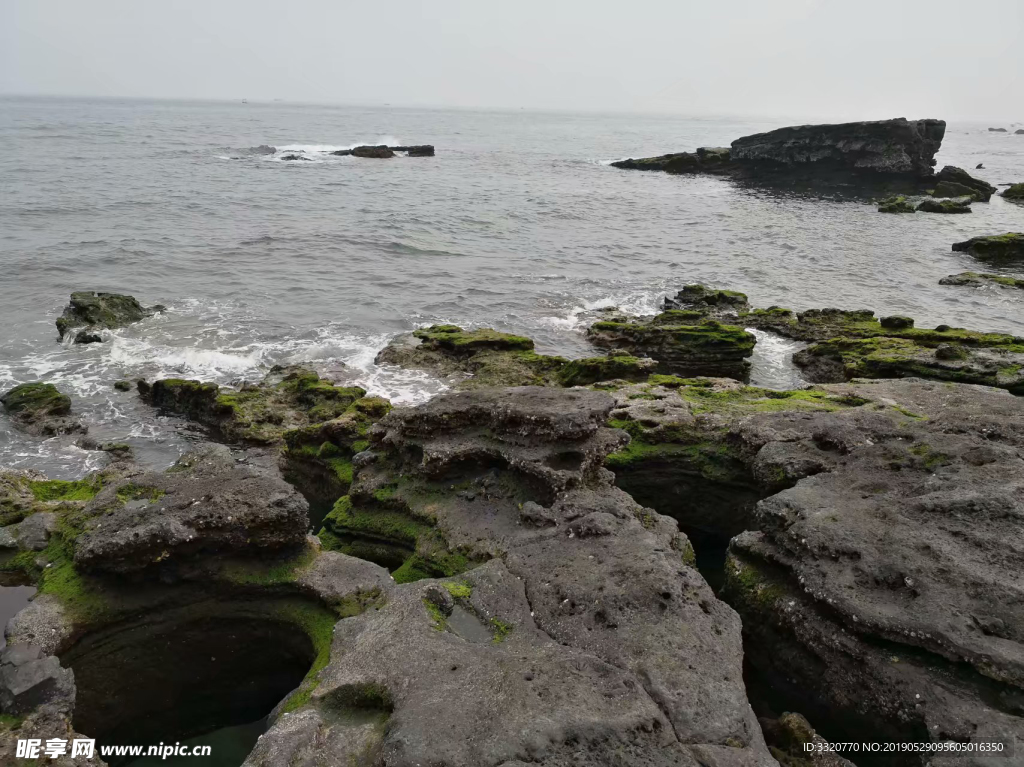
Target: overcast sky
x=953, y=59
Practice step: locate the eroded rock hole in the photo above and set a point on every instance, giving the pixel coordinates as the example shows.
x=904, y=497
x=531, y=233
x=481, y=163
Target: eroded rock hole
x=172, y=680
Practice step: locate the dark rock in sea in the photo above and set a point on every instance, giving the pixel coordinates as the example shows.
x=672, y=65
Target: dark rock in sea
x=959, y=205
x=897, y=146
x=472, y=358
x=1013, y=192
x=101, y=310
x=422, y=150
x=205, y=504
x=294, y=157
x=381, y=151
x=859, y=158
x=978, y=279
x=979, y=166
x=683, y=342
x=87, y=337
x=997, y=247
x=896, y=204
x=1019, y=132
x=263, y=149
x=710, y=302
x=123, y=385
x=952, y=179
x=40, y=408
x=881, y=591
x=997, y=130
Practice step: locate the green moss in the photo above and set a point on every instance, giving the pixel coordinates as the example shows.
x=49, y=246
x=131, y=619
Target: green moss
x=60, y=490
x=436, y=565
x=593, y=369
x=452, y=338
x=458, y=590
x=32, y=400
x=747, y=583
x=133, y=492
x=389, y=524
x=438, y=621
x=1014, y=192
x=318, y=624
x=898, y=204
x=931, y=458
x=80, y=595
x=272, y=572
x=501, y=629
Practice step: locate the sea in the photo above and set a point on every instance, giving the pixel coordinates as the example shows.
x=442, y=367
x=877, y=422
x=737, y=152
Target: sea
x=518, y=223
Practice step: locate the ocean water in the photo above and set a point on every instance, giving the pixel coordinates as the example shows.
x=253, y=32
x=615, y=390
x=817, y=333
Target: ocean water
x=518, y=223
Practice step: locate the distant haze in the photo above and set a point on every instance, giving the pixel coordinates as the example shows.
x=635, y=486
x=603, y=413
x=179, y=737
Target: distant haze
x=832, y=59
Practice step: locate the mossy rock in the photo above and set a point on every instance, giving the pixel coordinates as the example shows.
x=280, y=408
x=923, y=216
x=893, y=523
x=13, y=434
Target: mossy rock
x=979, y=279
x=1014, y=192
x=955, y=189
x=454, y=339
x=994, y=247
x=593, y=369
x=958, y=205
x=102, y=310
x=289, y=398
x=897, y=204
x=31, y=401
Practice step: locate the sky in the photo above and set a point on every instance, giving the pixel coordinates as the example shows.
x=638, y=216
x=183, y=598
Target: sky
x=868, y=59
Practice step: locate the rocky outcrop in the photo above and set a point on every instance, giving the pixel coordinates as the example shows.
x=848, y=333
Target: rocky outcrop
x=978, y=279
x=1013, y=192
x=897, y=146
x=206, y=504
x=956, y=182
x=472, y=358
x=858, y=157
x=998, y=247
x=685, y=343
x=514, y=476
x=383, y=151
x=94, y=311
x=288, y=398
x=997, y=130
x=40, y=408
x=880, y=591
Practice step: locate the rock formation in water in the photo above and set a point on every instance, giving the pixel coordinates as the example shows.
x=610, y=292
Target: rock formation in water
x=384, y=151
x=854, y=155
x=40, y=408
x=979, y=279
x=996, y=247
x=1013, y=192
x=94, y=311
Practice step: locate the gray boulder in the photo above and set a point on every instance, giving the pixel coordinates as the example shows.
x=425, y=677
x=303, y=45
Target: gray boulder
x=94, y=311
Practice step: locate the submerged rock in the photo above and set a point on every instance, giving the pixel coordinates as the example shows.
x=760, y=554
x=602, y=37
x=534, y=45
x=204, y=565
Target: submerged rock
x=959, y=205
x=101, y=310
x=420, y=150
x=40, y=408
x=896, y=204
x=977, y=280
x=1009, y=246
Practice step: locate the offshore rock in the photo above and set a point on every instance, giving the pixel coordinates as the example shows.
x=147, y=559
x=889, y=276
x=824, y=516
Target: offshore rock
x=579, y=577
x=955, y=182
x=102, y=310
x=40, y=408
x=897, y=146
x=1013, y=192
x=959, y=205
x=998, y=247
